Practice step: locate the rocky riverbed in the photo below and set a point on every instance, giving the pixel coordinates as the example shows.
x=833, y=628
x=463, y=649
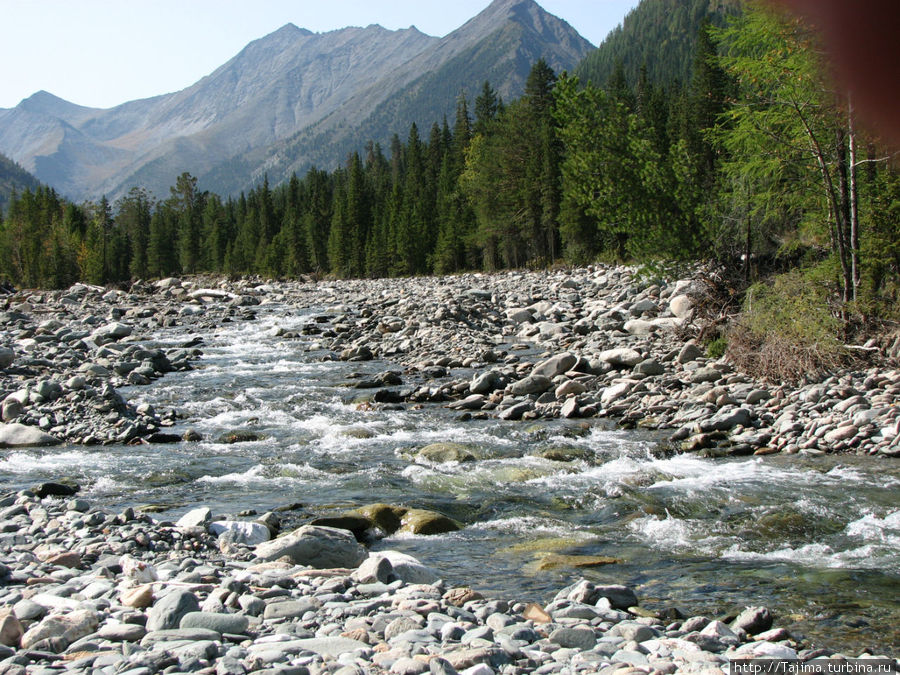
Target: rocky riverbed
x=88, y=591
x=602, y=345
x=601, y=342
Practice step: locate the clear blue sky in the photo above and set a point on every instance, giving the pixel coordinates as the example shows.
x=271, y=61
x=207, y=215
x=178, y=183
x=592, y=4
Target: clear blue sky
x=104, y=52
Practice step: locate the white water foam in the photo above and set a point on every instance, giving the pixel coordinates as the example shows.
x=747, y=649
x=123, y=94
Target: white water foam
x=270, y=475
x=531, y=527
x=674, y=534
x=105, y=485
x=815, y=555
x=24, y=462
x=871, y=528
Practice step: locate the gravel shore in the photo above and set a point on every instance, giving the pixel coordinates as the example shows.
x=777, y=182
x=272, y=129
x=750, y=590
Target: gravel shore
x=92, y=592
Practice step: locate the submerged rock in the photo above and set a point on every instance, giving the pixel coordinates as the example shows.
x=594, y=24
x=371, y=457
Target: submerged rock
x=422, y=521
x=446, y=452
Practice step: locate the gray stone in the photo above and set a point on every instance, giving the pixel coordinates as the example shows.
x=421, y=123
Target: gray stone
x=12, y=409
x=649, y=367
x=172, y=635
x=241, y=532
x=374, y=569
x=408, y=568
x=555, y=365
x=631, y=630
x=289, y=609
x=122, y=632
x=484, y=383
x=7, y=357
x=518, y=315
x=217, y=621
x=574, y=638
x=623, y=357
x=727, y=419
x=62, y=630
x=706, y=374
x=16, y=435
x=533, y=384
x=167, y=612
x=330, y=647
x=690, y=352
x=27, y=610
x=11, y=630
x=440, y=666
x=620, y=597
x=753, y=620
x=757, y=396
x=515, y=411
x=442, y=453
x=321, y=547
x=198, y=517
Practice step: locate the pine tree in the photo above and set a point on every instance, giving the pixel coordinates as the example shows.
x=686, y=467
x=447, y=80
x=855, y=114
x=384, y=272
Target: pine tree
x=133, y=214
x=185, y=203
x=487, y=106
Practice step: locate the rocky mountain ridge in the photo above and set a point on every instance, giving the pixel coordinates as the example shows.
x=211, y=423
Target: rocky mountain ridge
x=244, y=118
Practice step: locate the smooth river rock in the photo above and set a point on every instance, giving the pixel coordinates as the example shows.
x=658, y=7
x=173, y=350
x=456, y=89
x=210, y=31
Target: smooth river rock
x=316, y=546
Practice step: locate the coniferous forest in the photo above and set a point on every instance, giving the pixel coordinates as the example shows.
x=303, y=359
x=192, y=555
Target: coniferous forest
x=755, y=161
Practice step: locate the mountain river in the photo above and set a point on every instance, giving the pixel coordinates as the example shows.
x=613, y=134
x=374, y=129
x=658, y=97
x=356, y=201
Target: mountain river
x=816, y=539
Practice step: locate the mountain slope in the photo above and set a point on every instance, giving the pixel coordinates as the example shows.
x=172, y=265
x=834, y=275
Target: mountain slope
x=271, y=89
x=661, y=34
x=499, y=45
x=286, y=101
x=13, y=178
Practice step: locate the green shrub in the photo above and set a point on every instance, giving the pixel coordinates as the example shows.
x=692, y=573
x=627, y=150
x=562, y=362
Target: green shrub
x=716, y=348
x=787, y=330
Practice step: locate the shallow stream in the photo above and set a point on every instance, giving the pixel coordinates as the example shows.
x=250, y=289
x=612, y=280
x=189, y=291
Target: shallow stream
x=816, y=539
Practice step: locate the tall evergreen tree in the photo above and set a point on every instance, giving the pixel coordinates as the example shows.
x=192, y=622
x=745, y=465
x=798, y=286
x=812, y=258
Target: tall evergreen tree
x=133, y=214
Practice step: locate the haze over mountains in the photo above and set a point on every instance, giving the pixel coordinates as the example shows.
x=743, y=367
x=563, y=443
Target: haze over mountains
x=286, y=102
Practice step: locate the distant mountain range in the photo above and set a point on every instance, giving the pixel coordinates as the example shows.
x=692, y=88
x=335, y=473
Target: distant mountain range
x=286, y=102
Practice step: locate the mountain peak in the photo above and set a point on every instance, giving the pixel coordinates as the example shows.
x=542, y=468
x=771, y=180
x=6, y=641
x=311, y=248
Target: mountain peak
x=43, y=102
x=290, y=29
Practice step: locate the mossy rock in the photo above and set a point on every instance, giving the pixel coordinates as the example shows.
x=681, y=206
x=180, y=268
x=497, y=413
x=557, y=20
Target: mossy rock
x=441, y=453
x=358, y=432
x=422, y=521
x=554, y=561
x=566, y=454
x=157, y=508
x=240, y=436
x=385, y=516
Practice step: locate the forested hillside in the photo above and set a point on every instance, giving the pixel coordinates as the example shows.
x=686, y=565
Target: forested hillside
x=13, y=178
x=756, y=162
x=657, y=35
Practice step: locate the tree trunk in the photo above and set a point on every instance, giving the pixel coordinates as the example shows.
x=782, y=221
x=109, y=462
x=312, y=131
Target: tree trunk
x=843, y=215
x=854, y=205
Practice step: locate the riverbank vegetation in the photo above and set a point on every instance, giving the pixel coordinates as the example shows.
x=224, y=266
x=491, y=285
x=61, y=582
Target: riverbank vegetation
x=756, y=162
